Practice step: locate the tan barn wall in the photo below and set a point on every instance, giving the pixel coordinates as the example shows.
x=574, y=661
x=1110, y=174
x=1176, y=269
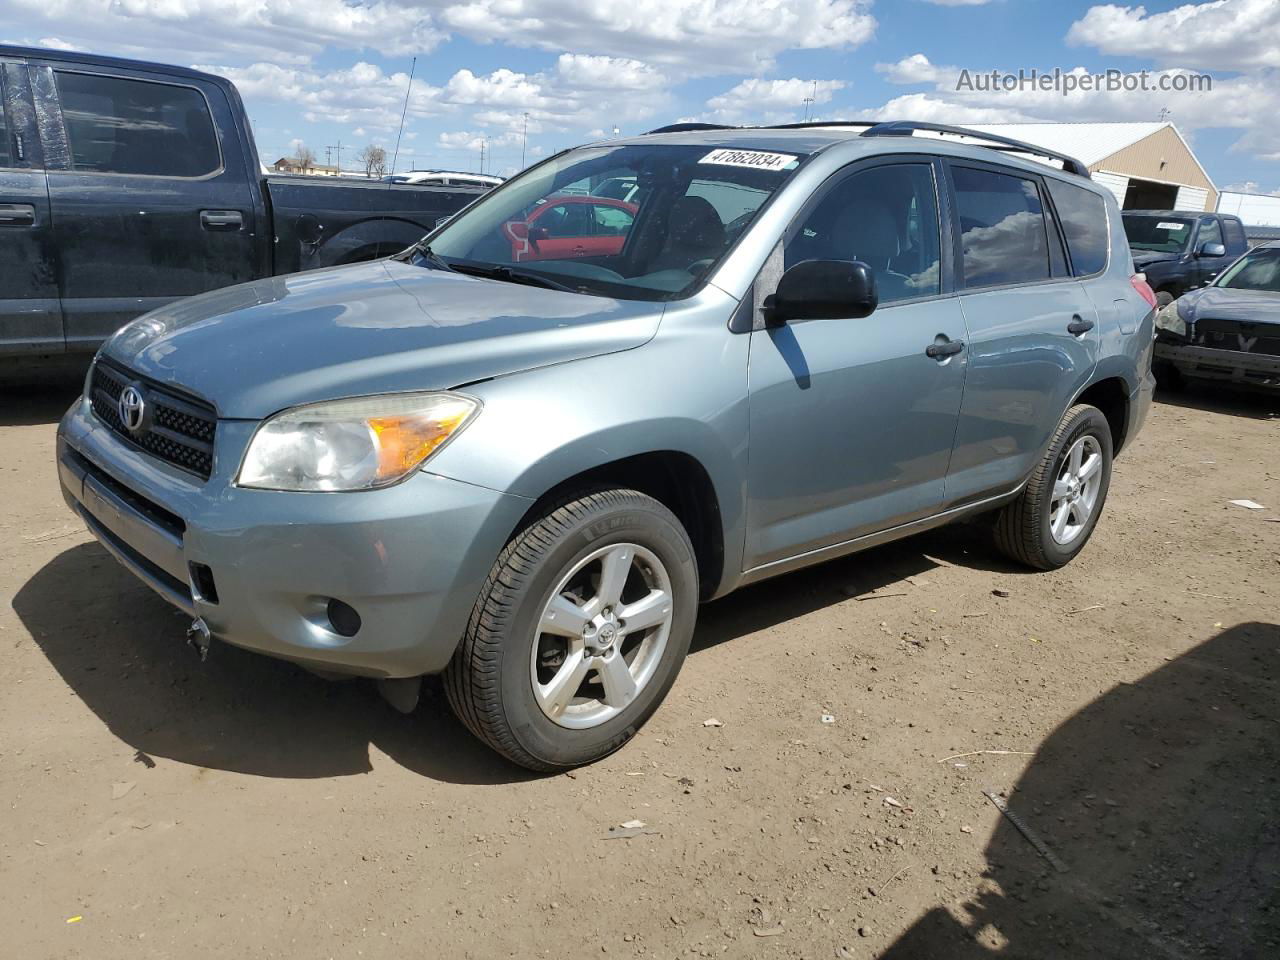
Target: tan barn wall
x=1142, y=160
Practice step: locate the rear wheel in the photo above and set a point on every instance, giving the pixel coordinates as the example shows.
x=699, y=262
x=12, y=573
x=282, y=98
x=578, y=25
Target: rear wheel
x=579, y=631
x=1056, y=513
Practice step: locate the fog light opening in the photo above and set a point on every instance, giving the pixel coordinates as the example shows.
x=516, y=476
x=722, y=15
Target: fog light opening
x=342, y=617
x=202, y=583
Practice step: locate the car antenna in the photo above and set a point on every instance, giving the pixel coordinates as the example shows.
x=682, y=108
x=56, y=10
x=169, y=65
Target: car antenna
x=403, y=113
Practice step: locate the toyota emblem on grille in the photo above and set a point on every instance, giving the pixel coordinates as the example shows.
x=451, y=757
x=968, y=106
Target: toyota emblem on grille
x=132, y=408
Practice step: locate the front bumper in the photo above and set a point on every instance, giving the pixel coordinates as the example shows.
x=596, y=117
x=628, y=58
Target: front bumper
x=410, y=559
x=1233, y=366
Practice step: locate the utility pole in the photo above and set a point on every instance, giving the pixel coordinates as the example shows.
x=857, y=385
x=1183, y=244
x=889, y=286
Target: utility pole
x=1165, y=114
x=524, y=139
x=810, y=99
x=328, y=155
x=483, y=142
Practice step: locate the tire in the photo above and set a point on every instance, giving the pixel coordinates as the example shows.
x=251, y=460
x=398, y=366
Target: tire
x=1169, y=379
x=1024, y=530
x=498, y=679
x=1164, y=298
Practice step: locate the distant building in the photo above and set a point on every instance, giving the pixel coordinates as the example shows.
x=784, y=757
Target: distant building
x=1148, y=166
x=1255, y=209
x=290, y=165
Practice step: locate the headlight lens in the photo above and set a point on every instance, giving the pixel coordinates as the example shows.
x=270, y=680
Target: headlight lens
x=1168, y=318
x=354, y=444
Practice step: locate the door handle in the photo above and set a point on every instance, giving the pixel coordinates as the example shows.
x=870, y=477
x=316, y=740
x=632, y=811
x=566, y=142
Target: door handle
x=17, y=215
x=1079, y=326
x=940, y=351
x=221, y=219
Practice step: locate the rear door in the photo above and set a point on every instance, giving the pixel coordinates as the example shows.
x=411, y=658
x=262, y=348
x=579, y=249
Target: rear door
x=149, y=191
x=30, y=315
x=1033, y=337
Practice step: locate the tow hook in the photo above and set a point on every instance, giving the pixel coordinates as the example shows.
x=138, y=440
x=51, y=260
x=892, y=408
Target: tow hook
x=198, y=638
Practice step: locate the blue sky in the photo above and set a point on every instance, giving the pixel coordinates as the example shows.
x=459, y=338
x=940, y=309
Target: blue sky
x=324, y=71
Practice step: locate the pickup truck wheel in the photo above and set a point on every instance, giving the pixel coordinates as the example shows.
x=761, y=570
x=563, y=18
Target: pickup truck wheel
x=579, y=631
x=1056, y=513
x=1163, y=298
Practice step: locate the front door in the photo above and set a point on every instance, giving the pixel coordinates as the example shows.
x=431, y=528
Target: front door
x=151, y=203
x=30, y=316
x=851, y=422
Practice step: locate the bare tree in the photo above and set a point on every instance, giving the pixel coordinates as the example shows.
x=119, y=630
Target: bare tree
x=304, y=158
x=374, y=159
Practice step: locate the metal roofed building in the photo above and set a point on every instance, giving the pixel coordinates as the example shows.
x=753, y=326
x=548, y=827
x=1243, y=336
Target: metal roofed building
x=1148, y=166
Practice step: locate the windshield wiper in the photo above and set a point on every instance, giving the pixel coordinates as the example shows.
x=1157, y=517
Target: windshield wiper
x=498, y=271
x=437, y=261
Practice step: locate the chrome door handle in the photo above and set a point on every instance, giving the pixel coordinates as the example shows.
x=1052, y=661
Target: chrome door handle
x=17, y=215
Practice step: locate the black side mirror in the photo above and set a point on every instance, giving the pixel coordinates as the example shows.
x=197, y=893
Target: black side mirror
x=1211, y=249
x=823, y=290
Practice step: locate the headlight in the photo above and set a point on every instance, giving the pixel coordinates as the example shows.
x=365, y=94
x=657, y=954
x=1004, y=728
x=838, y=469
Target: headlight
x=354, y=444
x=1168, y=318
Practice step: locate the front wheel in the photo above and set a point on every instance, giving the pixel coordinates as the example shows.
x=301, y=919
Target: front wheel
x=1056, y=513
x=579, y=631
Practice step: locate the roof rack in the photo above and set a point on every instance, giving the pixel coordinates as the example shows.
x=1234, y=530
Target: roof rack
x=905, y=128
x=689, y=126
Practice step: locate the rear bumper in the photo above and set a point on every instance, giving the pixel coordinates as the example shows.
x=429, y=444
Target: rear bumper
x=410, y=559
x=1234, y=366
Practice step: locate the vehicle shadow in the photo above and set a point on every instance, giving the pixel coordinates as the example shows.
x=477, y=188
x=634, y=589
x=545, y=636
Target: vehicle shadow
x=120, y=649
x=1213, y=397
x=1159, y=798
x=35, y=403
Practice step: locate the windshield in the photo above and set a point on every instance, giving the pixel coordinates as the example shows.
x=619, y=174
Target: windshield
x=634, y=221
x=1160, y=234
x=1256, y=270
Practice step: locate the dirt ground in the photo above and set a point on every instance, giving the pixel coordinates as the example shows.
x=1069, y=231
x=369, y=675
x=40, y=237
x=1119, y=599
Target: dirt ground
x=1125, y=707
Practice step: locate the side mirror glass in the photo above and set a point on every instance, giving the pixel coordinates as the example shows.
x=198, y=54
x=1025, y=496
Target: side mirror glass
x=1210, y=249
x=823, y=290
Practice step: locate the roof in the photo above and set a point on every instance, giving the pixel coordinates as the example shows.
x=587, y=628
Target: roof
x=93, y=59
x=1090, y=142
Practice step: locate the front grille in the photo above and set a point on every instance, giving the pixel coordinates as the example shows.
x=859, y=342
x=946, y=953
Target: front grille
x=177, y=429
x=1239, y=335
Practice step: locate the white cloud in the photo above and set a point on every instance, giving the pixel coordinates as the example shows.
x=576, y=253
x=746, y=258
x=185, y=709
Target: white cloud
x=771, y=101
x=701, y=36
x=1251, y=186
x=584, y=72
x=959, y=3
x=933, y=108
x=1226, y=34
x=236, y=30
x=56, y=43
x=914, y=69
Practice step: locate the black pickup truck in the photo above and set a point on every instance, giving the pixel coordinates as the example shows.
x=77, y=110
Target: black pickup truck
x=1180, y=250
x=125, y=185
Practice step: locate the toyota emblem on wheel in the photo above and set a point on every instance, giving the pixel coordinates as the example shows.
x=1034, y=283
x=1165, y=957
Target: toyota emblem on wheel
x=132, y=408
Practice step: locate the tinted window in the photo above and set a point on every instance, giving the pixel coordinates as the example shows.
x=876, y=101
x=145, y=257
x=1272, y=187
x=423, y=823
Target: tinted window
x=1235, y=234
x=1083, y=215
x=1002, y=230
x=1157, y=234
x=1209, y=232
x=132, y=126
x=886, y=217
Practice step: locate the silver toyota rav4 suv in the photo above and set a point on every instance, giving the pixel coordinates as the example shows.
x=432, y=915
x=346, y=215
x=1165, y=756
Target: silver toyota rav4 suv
x=521, y=452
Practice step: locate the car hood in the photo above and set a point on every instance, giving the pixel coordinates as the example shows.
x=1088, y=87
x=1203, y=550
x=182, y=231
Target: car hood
x=1224, y=303
x=379, y=327
x=1145, y=258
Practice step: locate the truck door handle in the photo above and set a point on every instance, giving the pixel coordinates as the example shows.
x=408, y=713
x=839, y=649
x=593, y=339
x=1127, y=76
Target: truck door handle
x=221, y=219
x=17, y=215
x=1079, y=326
x=940, y=351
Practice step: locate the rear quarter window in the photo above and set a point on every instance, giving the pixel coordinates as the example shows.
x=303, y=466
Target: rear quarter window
x=121, y=125
x=1083, y=215
x=1234, y=231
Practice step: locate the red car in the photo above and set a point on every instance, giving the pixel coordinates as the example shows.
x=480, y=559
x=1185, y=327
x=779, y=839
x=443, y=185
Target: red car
x=564, y=227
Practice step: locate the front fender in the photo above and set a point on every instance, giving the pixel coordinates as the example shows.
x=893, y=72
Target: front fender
x=685, y=391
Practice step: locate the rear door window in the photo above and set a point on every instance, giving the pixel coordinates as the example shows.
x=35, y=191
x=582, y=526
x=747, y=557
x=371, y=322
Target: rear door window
x=1083, y=215
x=1234, y=231
x=1002, y=228
x=121, y=125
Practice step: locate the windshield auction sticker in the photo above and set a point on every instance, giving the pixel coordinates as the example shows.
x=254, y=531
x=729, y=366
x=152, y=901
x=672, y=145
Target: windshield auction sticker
x=1170, y=225
x=756, y=159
